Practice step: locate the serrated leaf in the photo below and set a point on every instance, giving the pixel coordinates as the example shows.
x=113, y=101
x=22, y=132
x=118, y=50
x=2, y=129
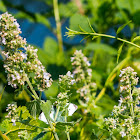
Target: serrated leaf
x=119, y=52
x=46, y=108
x=27, y=123
x=121, y=27
x=104, y=47
x=34, y=107
x=40, y=135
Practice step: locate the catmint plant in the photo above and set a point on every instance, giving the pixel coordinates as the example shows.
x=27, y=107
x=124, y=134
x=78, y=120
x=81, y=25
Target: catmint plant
x=21, y=61
x=83, y=77
x=26, y=72
x=125, y=117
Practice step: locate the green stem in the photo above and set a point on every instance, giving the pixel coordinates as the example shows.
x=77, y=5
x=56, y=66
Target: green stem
x=31, y=87
x=30, y=93
x=56, y=113
x=72, y=33
x=58, y=25
x=67, y=132
x=53, y=130
x=137, y=135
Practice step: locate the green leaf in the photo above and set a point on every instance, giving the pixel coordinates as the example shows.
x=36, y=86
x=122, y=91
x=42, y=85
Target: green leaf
x=51, y=49
x=46, y=108
x=129, y=5
x=121, y=27
x=27, y=122
x=3, y=129
x=24, y=15
x=104, y=47
x=40, y=135
x=43, y=124
x=119, y=52
x=52, y=91
x=62, y=125
x=67, y=9
x=42, y=19
x=2, y=7
x=42, y=56
x=81, y=21
x=34, y=107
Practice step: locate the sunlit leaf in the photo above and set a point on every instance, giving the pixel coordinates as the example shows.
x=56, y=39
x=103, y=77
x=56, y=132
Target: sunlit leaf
x=46, y=108
x=2, y=7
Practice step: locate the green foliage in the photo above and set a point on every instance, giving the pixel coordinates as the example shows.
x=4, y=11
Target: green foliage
x=101, y=47
x=46, y=108
x=26, y=123
x=75, y=23
x=85, y=17
x=34, y=107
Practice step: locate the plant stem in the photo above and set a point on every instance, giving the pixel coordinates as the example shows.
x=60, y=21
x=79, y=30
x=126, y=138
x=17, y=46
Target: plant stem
x=31, y=87
x=56, y=113
x=137, y=135
x=72, y=33
x=67, y=132
x=53, y=130
x=58, y=25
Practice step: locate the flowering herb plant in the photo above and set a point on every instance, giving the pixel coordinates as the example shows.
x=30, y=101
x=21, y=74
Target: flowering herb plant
x=26, y=72
x=49, y=119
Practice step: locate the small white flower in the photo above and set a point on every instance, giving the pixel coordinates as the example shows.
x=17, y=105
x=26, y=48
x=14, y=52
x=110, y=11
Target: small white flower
x=4, y=41
x=123, y=133
x=16, y=24
x=14, y=122
x=72, y=58
x=24, y=56
x=69, y=74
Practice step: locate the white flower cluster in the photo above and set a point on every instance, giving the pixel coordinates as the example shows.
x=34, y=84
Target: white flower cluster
x=66, y=81
x=24, y=135
x=21, y=61
x=80, y=65
x=12, y=113
x=83, y=74
x=127, y=113
x=128, y=79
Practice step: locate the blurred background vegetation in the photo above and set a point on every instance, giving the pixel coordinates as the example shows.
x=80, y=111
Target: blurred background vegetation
x=43, y=24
